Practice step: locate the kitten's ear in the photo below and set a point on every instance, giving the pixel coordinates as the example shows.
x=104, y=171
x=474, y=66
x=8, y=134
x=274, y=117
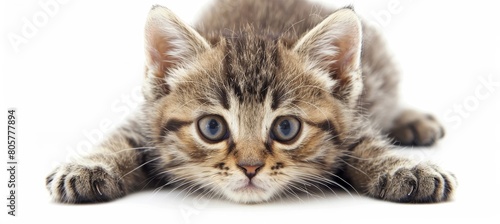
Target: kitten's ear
x=334, y=46
x=170, y=44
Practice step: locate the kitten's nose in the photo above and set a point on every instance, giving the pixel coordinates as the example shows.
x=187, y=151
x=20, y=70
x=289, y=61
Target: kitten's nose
x=250, y=170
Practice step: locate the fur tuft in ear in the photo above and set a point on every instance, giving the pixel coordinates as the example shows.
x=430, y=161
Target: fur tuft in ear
x=170, y=44
x=335, y=46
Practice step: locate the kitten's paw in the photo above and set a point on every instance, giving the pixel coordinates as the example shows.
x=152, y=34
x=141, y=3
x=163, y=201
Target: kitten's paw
x=76, y=183
x=416, y=129
x=423, y=183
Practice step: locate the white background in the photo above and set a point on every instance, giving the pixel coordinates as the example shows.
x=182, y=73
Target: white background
x=80, y=70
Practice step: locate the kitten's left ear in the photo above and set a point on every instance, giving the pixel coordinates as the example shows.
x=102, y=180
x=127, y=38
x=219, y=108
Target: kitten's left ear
x=334, y=45
x=170, y=44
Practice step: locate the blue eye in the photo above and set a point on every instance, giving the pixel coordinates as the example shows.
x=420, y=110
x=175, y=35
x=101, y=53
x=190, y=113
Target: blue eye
x=213, y=128
x=285, y=129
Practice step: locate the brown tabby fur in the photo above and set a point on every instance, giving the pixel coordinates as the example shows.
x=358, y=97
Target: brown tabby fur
x=251, y=62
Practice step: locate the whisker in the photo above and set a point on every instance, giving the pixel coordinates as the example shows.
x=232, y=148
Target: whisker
x=327, y=179
x=363, y=172
x=342, y=179
x=289, y=190
x=124, y=150
x=305, y=191
x=152, y=160
x=199, y=188
x=319, y=182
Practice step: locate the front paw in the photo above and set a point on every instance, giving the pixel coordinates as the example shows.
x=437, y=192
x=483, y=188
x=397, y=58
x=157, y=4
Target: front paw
x=78, y=183
x=413, y=128
x=423, y=183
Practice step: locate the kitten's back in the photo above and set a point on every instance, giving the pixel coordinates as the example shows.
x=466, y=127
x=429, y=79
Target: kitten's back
x=289, y=18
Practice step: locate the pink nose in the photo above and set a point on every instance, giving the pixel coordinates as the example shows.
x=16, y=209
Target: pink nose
x=250, y=170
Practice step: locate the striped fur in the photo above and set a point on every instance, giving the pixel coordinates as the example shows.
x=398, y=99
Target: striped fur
x=251, y=63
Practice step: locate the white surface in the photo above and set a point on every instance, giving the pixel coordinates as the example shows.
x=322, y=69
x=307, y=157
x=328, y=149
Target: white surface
x=82, y=68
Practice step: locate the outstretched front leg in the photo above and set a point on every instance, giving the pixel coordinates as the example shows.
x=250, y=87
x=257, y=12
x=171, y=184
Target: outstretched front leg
x=110, y=172
x=380, y=173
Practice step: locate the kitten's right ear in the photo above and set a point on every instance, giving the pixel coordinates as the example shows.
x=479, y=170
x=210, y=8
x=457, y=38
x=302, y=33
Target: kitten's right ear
x=170, y=44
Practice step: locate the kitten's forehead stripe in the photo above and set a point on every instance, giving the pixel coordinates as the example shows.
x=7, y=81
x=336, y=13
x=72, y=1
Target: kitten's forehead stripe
x=250, y=66
x=223, y=99
x=206, y=101
x=173, y=125
x=277, y=98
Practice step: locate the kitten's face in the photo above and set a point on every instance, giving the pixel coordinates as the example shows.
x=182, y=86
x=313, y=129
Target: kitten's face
x=247, y=119
x=240, y=112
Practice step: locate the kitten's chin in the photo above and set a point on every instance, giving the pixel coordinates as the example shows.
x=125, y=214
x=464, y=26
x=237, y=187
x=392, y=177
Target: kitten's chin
x=249, y=194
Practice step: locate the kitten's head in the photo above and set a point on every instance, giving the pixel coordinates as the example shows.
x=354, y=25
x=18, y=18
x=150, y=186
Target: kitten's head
x=246, y=116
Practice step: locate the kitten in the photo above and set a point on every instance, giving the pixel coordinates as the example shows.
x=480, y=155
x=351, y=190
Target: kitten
x=259, y=99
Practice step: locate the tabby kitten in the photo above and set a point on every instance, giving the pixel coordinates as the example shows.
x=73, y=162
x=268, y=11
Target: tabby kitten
x=260, y=99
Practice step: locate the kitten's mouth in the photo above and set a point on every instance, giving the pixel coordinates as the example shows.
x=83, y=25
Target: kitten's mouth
x=249, y=188
x=249, y=192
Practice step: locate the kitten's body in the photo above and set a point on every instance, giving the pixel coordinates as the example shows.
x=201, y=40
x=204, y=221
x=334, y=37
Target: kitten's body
x=249, y=65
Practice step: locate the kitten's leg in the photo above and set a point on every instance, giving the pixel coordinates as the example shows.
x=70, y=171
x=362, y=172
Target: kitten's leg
x=110, y=172
x=375, y=170
x=415, y=128
x=380, y=96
